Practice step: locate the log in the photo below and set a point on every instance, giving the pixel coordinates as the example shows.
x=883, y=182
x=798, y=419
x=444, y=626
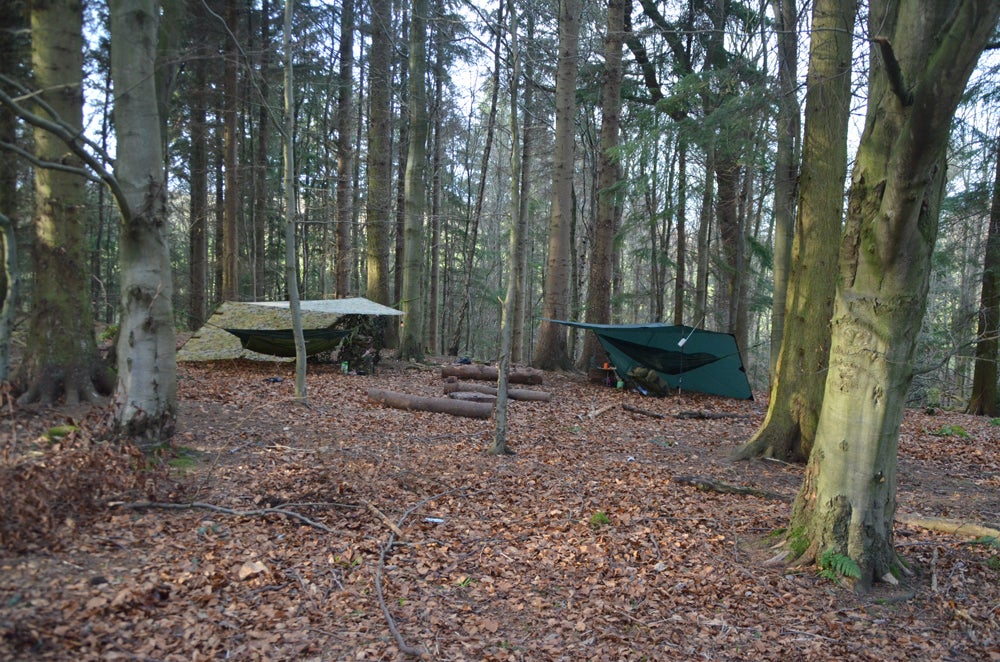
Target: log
x=512, y=393
x=437, y=405
x=645, y=412
x=490, y=373
x=472, y=396
x=955, y=527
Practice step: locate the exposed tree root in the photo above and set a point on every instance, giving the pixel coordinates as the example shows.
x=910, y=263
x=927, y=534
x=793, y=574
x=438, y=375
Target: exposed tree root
x=711, y=485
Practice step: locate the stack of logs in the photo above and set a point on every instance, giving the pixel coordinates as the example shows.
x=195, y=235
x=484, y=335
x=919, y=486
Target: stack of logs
x=469, y=400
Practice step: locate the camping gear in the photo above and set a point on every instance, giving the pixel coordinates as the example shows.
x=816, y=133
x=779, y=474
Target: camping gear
x=281, y=342
x=687, y=359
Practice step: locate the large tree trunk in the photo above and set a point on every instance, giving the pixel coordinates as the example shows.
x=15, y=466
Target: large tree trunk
x=848, y=498
x=411, y=342
x=146, y=396
x=599, y=281
x=12, y=52
x=61, y=356
x=345, y=152
x=378, y=219
x=786, y=167
x=797, y=389
x=551, y=351
x=983, y=401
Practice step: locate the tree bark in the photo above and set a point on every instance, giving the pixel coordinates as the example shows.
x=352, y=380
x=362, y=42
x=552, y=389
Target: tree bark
x=436, y=405
x=512, y=393
x=786, y=167
x=198, y=164
x=61, y=356
x=789, y=429
x=146, y=395
x=848, y=498
x=983, y=401
x=411, y=343
x=345, y=152
x=608, y=176
x=551, y=351
x=490, y=374
x=378, y=219
x=260, y=169
x=230, y=119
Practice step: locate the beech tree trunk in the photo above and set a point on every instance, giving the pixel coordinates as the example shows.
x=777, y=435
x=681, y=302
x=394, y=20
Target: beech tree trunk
x=927, y=52
x=61, y=355
x=230, y=92
x=146, y=395
x=797, y=387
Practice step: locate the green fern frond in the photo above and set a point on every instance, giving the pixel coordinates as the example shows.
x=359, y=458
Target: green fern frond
x=834, y=565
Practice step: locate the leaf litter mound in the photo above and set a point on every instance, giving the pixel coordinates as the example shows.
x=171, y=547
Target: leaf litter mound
x=351, y=531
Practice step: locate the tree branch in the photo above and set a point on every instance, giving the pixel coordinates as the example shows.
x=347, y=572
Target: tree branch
x=74, y=139
x=894, y=71
x=49, y=165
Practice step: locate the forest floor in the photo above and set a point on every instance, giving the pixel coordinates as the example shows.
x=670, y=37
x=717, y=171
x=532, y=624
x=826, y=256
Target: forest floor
x=347, y=530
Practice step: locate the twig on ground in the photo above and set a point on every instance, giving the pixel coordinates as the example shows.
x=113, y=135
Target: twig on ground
x=257, y=512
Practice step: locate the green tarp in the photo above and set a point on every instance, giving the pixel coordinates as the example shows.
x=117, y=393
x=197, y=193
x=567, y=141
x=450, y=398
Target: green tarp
x=686, y=358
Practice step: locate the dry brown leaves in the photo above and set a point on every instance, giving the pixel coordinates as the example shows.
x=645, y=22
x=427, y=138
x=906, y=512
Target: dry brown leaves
x=580, y=546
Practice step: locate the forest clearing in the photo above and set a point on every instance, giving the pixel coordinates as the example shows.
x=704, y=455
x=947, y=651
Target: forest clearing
x=348, y=530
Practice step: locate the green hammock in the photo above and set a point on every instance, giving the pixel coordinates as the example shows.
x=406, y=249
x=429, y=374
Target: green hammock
x=281, y=342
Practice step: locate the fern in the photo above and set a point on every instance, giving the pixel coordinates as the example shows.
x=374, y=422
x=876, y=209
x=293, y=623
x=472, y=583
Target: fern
x=834, y=565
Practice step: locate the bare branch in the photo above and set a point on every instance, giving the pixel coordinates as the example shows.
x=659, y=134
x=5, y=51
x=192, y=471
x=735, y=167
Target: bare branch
x=49, y=165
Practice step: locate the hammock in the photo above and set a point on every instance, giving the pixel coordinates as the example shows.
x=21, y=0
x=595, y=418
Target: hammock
x=281, y=342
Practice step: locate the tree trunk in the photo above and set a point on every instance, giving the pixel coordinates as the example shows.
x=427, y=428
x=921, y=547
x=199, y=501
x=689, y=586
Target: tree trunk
x=261, y=174
x=12, y=52
x=797, y=389
x=411, y=343
x=599, y=281
x=291, y=208
x=786, y=167
x=983, y=401
x=516, y=246
x=680, y=286
x=848, y=498
x=345, y=152
x=61, y=356
x=198, y=233
x=230, y=119
x=434, y=298
x=524, y=200
x=146, y=395
x=551, y=351
x=378, y=219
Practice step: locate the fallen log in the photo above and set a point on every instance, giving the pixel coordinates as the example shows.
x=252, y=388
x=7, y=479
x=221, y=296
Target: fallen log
x=955, y=527
x=490, y=373
x=437, y=405
x=512, y=393
x=708, y=415
x=645, y=412
x=472, y=396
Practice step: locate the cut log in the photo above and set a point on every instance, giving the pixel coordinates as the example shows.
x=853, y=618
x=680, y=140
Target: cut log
x=490, y=374
x=512, y=393
x=472, y=396
x=437, y=405
x=945, y=525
